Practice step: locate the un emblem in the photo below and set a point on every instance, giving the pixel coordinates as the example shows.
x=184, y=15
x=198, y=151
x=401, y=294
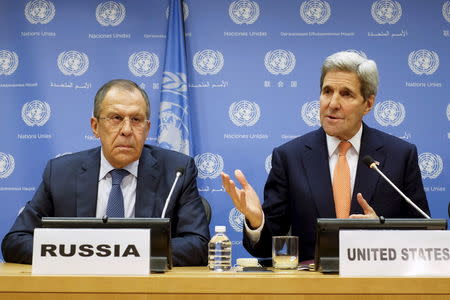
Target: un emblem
x=423, y=62
x=386, y=11
x=185, y=11
x=208, y=62
x=110, y=13
x=279, y=61
x=209, y=165
x=174, y=83
x=73, y=63
x=244, y=113
x=236, y=219
x=36, y=113
x=430, y=165
x=311, y=113
x=243, y=11
x=173, y=132
x=39, y=11
x=143, y=63
x=173, y=117
x=448, y=111
x=268, y=163
x=446, y=11
x=389, y=113
x=8, y=62
x=315, y=11
x=6, y=164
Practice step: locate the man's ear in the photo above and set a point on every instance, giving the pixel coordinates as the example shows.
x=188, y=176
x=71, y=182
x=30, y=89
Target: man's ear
x=94, y=126
x=149, y=125
x=369, y=104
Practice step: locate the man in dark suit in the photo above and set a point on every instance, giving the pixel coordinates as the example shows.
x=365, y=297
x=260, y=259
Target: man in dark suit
x=80, y=184
x=321, y=175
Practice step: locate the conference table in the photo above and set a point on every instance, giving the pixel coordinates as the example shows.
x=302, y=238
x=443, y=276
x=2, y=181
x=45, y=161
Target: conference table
x=17, y=282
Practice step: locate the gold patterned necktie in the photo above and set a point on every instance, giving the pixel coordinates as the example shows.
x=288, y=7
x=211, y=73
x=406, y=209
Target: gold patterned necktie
x=341, y=183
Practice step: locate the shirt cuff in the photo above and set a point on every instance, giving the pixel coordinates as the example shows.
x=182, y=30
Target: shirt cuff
x=254, y=234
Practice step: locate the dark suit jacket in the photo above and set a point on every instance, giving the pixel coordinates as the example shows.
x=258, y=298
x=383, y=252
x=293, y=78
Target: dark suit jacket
x=299, y=190
x=69, y=189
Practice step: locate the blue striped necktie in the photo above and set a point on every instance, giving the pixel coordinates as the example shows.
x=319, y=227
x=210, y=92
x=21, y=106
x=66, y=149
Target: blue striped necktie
x=115, y=206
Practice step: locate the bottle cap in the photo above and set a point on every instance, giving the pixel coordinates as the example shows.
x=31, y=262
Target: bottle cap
x=220, y=228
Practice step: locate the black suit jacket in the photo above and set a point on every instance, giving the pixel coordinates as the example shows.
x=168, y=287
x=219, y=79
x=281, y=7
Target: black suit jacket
x=69, y=189
x=299, y=189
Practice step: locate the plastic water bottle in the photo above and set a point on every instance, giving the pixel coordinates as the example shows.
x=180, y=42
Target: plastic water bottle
x=219, y=251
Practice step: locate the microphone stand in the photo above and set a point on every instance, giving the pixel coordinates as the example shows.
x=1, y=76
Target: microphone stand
x=178, y=175
x=374, y=166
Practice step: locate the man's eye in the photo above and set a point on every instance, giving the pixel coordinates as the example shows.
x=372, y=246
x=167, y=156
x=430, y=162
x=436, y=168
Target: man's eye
x=136, y=120
x=117, y=118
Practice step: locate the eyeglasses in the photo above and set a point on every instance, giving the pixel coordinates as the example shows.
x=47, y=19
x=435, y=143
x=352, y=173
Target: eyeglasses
x=117, y=121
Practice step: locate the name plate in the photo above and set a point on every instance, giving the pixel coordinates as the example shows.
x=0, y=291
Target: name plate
x=420, y=253
x=91, y=251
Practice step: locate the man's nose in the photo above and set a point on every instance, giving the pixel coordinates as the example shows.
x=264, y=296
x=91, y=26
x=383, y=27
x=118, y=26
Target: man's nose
x=335, y=102
x=126, y=127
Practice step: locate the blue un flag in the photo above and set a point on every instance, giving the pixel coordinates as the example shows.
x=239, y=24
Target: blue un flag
x=174, y=128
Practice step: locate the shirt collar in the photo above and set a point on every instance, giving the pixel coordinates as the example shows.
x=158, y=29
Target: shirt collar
x=333, y=142
x=106, y=167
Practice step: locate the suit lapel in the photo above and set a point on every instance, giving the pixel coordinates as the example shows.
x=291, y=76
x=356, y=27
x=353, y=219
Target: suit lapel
x=149, y=174
x=87, y=184
x=318, y=173
x=366, y=179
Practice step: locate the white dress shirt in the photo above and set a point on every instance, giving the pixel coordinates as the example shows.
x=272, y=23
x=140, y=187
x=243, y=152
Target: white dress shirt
x=352, y=155
x=333, y=154
x=128, y=187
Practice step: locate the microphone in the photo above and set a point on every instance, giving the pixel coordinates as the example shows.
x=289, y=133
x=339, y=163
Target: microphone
x=371, y=163
x=178, y=174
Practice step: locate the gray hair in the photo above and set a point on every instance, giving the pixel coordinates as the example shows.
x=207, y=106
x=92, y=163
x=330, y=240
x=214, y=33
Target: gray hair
x=364, y=68
x=122, y=84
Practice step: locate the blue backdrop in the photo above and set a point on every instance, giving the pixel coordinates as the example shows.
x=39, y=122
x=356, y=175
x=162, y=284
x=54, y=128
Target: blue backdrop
x=253, y=82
